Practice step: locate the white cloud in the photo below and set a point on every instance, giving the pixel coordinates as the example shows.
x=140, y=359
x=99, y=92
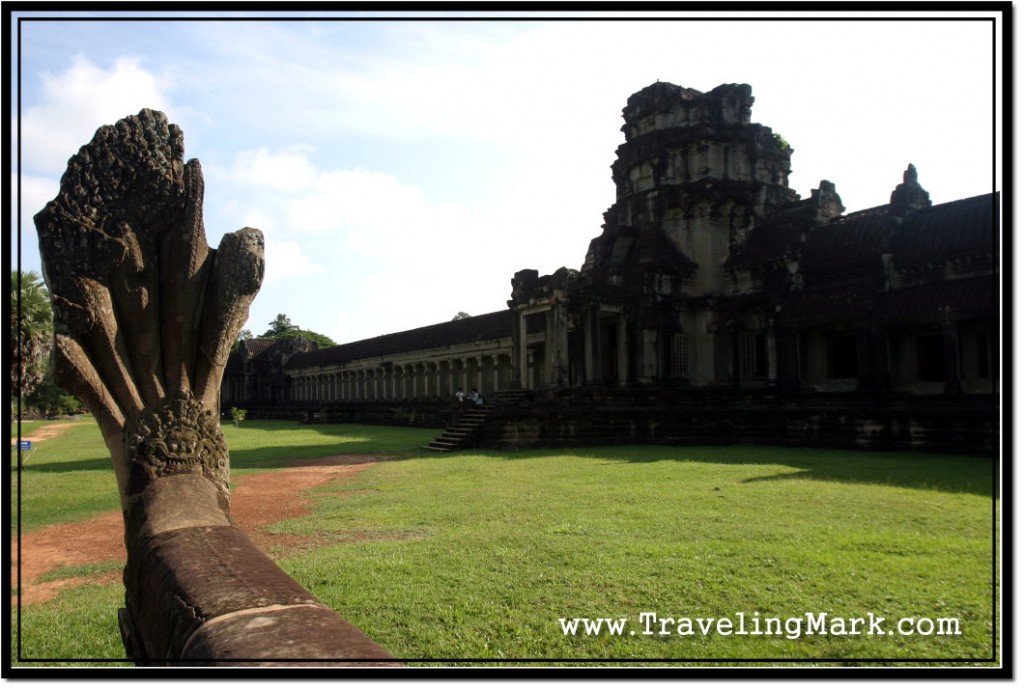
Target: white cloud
x=410, y=168
x=369, y=212
x=76, y=102
x=35, y=193
x=385, y=257
x=287, y=171
x=287, y=258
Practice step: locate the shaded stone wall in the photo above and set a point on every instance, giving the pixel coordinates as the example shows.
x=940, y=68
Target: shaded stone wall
x=653, y=415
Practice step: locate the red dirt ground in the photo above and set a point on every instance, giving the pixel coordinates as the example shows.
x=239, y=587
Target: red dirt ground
x=48, y=432
x=257, y=501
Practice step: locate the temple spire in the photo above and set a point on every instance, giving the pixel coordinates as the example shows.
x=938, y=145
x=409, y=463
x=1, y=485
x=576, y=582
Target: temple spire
x=908, y=196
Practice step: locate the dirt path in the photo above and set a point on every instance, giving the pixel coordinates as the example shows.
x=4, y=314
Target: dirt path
x=49, y=431
x=257, y=501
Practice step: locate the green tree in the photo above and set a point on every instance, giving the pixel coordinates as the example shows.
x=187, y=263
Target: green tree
x=282, y=326
x=238, y=414
x=461, y=315
x=51, y=400
x=318, y=338
x=31, y=331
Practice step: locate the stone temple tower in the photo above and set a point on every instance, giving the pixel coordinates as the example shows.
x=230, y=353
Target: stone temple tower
x=656, y=297
x=694, y=168
x=693, y=177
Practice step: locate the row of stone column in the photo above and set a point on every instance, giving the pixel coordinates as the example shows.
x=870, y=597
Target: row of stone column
x=554, y=369
x=416, y=381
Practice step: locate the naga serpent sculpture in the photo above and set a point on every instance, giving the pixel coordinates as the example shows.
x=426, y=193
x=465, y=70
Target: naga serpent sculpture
x=145, y=314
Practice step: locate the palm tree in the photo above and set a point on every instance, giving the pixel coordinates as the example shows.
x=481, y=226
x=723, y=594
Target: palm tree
x=31, y=331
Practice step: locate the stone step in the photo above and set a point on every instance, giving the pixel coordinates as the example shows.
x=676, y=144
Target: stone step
x=462, y=428
x=450, y=439
x=439, y=446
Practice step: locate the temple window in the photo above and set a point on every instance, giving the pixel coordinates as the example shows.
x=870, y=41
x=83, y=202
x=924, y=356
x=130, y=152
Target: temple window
x=753, y=355
x=679, y=357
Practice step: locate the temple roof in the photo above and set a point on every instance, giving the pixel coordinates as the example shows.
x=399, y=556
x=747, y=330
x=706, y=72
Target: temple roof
x=955, y=229
x=966, y=298
x=778, y=236
x=481, y=328
x=849, y=241
x=254, y=347
x=821, y=306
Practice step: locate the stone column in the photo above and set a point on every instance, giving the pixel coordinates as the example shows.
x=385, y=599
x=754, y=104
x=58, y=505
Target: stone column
x=649, y=368
x=588, y=346
x=477, y=373
x=596, y=350
x=557, y=343
x=524, y=347
x=951, y=355
x=623, y=351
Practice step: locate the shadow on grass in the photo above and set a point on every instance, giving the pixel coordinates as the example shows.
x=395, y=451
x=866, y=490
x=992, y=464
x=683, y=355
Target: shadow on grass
x=915, y=470
x=66, y=466
x=271, y=457
x=263, y=458
x=351, y=439
x=912, y=470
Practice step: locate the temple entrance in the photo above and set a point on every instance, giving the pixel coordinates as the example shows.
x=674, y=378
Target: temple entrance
x=608, y=363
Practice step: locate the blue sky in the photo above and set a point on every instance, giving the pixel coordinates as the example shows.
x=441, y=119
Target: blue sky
x=403, y=170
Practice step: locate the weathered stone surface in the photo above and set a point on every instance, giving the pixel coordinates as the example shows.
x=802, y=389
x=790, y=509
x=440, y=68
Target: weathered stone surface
x=145, y=315
x=145, y=310
x=308, y=634
x=240, y=592
x=908, y=195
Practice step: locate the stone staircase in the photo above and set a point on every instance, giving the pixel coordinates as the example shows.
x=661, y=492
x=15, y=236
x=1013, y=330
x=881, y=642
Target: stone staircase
x=461, y=433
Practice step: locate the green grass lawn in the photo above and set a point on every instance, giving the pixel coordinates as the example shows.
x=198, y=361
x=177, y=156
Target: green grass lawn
x=481, y=555
x=76, y=465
